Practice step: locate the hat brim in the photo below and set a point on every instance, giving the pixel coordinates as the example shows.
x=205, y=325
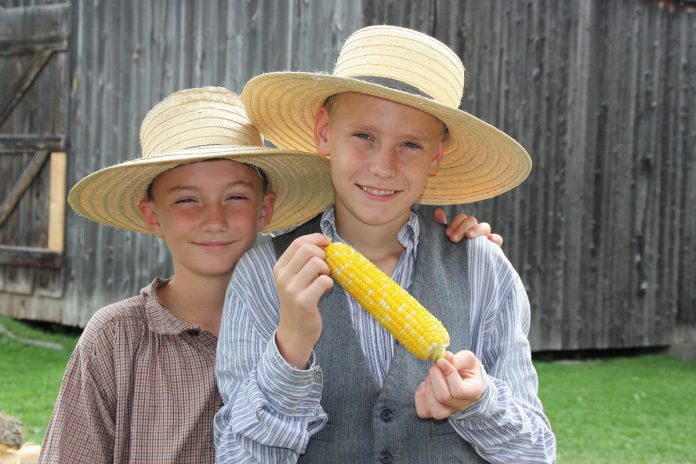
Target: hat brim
x=300, y=180
x=479, y=162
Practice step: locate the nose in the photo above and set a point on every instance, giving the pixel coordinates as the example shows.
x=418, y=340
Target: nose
x=383, y=163
x=214, y=219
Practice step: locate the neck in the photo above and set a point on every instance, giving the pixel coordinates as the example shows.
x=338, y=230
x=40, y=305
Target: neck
x=196, y=300
x=379, y=243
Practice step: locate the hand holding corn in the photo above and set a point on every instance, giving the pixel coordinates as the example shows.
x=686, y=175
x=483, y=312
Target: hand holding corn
x=392, y=306
x=454, y=383
x=301, y=277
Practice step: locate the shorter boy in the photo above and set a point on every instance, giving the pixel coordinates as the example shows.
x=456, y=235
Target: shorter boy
x=140, y=385
x=306, y=374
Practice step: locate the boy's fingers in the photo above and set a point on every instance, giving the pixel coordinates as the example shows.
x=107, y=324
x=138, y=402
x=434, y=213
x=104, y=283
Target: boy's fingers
x=321, y=285
x=440, y=216
x=315, y=267
x=459, y=225
x=495, y=238
x=297, y=259
x=465, y=360
x=440, y=379
x=478, y=229
x=437, y=409
x=421, y=402
x=316, y=239
x=469, y=383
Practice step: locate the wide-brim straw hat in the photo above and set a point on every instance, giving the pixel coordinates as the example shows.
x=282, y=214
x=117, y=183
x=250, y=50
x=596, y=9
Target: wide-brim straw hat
x=197, y=125
x=407, y=67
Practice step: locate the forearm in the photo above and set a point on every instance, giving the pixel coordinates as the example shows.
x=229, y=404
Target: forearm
x=270, y=411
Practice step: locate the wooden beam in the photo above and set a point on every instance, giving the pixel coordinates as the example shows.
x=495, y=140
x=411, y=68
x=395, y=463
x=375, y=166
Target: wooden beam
x=15, y=93
x=30, y=257
x=56, y=205
x=15, y=46
x=22, y=184
x=31, y=142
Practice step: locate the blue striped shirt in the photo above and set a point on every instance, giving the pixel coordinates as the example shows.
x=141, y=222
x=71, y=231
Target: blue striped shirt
x=271, y=409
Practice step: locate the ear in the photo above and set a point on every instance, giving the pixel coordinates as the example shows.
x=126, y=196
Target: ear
x=321, y=132
x=266, y=210
x=437, y=157
x=149, y=213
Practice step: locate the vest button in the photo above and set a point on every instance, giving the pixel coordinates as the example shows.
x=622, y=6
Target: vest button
x=386, y=414
x=386, y=457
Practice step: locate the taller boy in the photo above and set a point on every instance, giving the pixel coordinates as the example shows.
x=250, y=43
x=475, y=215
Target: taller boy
x=317, y=379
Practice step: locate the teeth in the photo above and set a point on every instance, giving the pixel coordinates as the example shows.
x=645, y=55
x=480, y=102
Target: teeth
x=377, y=191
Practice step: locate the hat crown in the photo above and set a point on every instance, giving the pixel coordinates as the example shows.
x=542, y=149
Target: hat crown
x=207, y=116
x=403, y=59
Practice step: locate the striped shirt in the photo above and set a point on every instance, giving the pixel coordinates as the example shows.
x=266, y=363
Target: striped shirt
x=139, y=387
x=271, y=409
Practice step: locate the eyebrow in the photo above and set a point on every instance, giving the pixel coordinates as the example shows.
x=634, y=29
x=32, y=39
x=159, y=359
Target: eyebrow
x=361, y=126
x=196, y=188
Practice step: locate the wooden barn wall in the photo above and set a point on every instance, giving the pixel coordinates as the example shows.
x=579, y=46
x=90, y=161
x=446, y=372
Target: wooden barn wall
x=602, y=94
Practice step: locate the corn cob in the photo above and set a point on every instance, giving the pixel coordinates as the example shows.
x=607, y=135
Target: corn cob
x=392, y=306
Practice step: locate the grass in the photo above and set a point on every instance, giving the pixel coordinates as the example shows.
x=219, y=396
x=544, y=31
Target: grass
x=617, y=410
x=30, y=376
x=621, y=410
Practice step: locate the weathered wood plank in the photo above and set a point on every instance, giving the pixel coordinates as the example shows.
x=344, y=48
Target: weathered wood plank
x=30, y=256
x=22, y=184
x=16, y=91
x=56, y=209
x=53, y=42
x=14, y=143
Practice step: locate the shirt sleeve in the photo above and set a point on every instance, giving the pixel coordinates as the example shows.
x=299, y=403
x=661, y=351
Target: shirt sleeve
x=270, y=408
x=508, y=423
x=81, y=428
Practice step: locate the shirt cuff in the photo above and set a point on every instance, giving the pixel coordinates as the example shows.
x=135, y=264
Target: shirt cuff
x=291, y=391
x=485, y=407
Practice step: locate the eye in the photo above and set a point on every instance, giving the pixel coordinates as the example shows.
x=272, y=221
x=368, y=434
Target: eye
x=237, y=196
x=183, y=201
x=412, y=146
x=362, y=135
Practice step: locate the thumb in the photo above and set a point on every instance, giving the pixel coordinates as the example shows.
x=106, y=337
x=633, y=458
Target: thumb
x=447, y=368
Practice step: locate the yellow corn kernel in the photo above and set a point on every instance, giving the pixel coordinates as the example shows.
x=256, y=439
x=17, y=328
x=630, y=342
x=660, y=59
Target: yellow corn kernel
x=400, y=313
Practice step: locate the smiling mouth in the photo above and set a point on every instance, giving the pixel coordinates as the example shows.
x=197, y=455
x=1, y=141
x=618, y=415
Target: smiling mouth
x=377, y=192
x=213, y=244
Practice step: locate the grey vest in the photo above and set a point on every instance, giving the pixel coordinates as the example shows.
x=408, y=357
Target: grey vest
x=372, y=425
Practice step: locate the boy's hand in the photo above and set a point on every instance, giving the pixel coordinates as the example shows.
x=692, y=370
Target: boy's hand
x=466, y=226
x=301, y=277
x=452, y=385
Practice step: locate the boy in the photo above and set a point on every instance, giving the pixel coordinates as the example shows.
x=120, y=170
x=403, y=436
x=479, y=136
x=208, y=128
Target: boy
x=303, y=371
x=140, y=385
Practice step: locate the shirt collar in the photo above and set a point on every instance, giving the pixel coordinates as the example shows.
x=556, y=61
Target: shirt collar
x=407, y=236
x=160, y=320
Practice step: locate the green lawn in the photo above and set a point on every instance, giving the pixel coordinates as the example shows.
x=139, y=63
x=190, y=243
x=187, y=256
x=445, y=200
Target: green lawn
x=30, y=376
x=619, y=410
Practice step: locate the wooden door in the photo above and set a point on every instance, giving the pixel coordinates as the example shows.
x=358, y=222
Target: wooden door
x=33, y=119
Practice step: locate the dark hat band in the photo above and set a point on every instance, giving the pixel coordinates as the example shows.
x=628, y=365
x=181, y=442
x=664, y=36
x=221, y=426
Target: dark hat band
x=393, y=84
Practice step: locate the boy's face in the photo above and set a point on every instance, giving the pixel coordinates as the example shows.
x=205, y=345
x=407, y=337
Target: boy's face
x=208, y=214
x=381, y=155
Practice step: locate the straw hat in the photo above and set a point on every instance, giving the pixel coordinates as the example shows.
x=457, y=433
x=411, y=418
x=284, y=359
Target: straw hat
x=406, y=67
x=196, y=125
